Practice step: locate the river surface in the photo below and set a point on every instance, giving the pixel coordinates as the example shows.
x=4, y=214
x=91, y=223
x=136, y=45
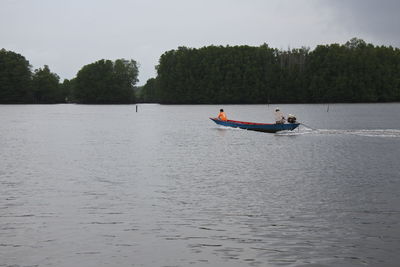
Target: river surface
x=88, y=185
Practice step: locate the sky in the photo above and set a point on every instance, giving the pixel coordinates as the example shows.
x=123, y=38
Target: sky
x=68, y=34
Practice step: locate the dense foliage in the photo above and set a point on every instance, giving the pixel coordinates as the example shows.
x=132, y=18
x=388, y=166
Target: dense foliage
x=106, y=82
x=147, y=93
x=18, y=85
x=102, y=82
x=353, y=72
x=46, y=87
x=15, y=78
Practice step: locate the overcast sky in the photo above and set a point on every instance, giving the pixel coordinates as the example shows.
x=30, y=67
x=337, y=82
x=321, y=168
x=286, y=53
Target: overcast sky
x=68, y=34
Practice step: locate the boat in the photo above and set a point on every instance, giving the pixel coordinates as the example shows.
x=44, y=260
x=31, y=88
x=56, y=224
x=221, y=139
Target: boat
x=260, y=127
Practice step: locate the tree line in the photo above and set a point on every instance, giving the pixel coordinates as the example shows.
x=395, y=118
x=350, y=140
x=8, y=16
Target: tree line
x=101, y=82
x=352, y=72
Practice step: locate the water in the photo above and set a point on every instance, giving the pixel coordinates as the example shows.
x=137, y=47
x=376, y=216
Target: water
x=106, y=186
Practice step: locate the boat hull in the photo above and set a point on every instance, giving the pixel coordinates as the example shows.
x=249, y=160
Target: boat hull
x=259, y=127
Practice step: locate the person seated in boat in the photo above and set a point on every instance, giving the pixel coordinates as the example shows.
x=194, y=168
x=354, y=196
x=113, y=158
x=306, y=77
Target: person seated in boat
x=222, y=115
x=279, y=117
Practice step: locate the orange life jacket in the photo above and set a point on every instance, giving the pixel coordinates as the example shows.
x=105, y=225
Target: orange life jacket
x=222, y=116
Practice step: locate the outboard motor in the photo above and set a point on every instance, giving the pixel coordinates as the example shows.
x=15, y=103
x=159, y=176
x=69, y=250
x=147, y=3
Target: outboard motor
x=291, y=118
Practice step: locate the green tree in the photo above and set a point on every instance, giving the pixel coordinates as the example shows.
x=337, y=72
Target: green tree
x=66, y=89
x=353, y=72
x=106, y=82
x=148, y=92
x=46, y=87
x=15, y=76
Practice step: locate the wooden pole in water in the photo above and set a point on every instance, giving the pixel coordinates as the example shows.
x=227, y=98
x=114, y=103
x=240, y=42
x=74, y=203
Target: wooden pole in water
x=136, y=108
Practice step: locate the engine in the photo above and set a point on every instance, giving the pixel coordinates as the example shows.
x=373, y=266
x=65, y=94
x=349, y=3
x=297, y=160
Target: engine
x=291, y=118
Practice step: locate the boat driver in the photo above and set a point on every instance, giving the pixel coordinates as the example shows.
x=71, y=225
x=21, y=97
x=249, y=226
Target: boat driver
x=279, y=117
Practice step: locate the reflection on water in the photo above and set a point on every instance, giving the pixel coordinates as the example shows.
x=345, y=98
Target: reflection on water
x=106, y=186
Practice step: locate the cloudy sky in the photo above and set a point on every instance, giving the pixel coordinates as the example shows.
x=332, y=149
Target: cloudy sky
x=68, y=34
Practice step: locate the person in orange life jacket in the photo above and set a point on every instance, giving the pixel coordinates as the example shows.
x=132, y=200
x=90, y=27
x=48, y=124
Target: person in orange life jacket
x=222, y=115
x=279, y=118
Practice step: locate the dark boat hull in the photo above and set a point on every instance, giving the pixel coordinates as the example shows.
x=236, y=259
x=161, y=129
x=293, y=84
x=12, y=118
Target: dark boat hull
x=260, y=127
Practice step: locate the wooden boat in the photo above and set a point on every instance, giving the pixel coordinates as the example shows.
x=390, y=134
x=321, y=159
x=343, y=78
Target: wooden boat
x=260, y=127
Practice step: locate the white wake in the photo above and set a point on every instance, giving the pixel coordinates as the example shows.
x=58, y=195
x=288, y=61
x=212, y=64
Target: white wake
x=388, y=133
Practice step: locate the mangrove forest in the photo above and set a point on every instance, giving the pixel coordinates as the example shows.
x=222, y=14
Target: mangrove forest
x=352, y=72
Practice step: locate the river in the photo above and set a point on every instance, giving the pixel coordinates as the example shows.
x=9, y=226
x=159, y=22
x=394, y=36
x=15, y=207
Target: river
x=92, y=185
